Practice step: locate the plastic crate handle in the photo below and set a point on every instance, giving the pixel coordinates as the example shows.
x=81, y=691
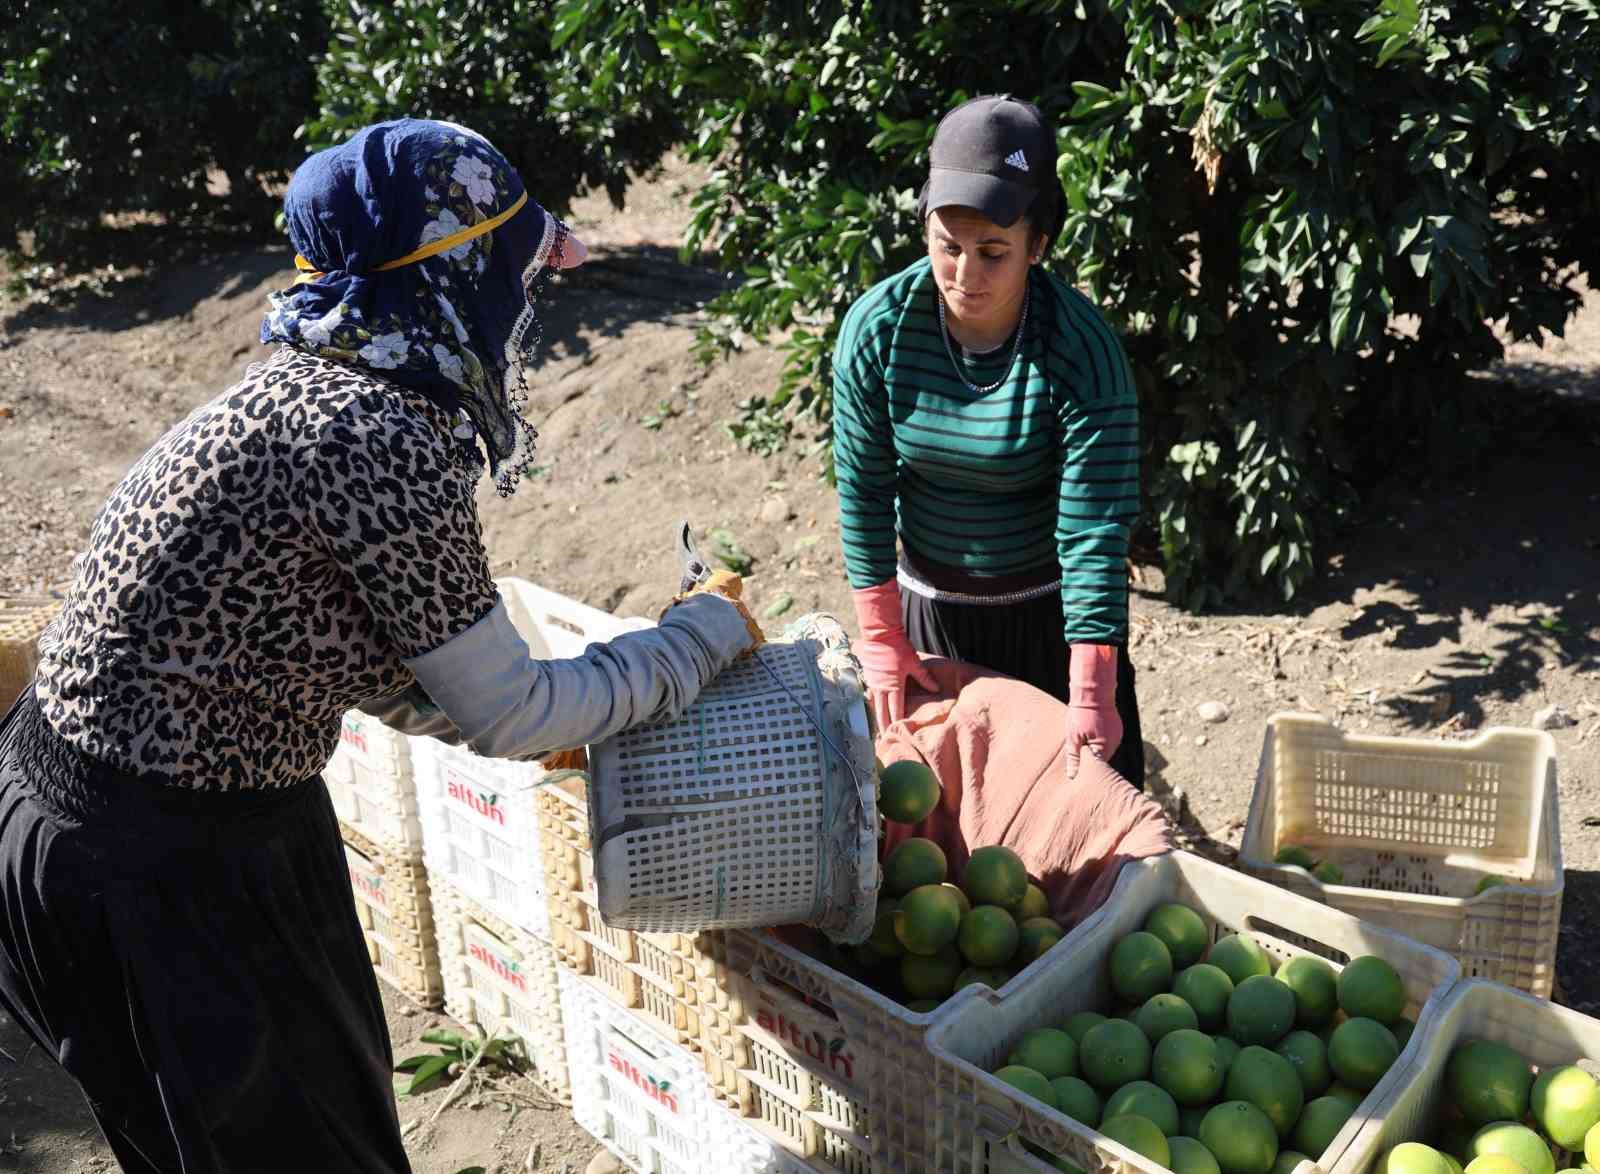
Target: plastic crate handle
x=1021, y=1156
x=995, y=1126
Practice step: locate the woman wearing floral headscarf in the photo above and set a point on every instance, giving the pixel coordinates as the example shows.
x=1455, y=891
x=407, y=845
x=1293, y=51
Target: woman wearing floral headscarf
x=176, y=925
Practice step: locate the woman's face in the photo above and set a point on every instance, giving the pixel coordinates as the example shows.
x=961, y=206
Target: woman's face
x=981, y=268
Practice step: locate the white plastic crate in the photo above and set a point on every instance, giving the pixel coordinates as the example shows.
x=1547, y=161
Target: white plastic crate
x=1414, y=824
x=395, y=906
x=480, y=827
x=22, y=620
x=503, y=980
x=370, y=782
x=645, y=1098
x=836, y=1072
x=980, y=1121
x=1544, y=1034
x=481, y=830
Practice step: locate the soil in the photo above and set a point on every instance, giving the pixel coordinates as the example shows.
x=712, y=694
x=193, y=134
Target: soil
x=1453, y=607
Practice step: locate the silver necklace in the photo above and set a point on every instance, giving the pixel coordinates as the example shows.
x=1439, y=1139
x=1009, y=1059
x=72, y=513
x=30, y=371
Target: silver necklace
x=944, y=333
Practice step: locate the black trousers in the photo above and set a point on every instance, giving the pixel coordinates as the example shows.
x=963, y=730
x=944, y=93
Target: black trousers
x=1023, y=640
x=195, y=962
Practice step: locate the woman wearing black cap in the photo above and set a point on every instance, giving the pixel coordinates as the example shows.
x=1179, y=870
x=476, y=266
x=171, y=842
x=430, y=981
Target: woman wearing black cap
x=985, y=414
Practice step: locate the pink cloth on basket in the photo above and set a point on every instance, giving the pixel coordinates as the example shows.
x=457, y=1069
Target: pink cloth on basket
x=995, y=744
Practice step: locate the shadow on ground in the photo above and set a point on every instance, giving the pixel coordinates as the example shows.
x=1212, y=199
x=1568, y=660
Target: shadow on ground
x=39, y=1106
x=148, y=274
x=1577, y=980
x=1519, y=541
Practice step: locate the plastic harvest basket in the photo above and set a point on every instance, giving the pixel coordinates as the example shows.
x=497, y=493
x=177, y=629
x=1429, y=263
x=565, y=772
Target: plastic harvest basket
x=22, y=620
x=978, y=1118
x=1414, y=824
x=757, y=806
x=370, y=781
x=1544, y=1034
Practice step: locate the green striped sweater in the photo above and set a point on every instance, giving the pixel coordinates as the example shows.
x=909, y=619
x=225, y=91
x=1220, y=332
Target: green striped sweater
x=1045, y=467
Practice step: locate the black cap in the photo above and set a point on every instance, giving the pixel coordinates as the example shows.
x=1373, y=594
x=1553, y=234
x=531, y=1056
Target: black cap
x=994, y=154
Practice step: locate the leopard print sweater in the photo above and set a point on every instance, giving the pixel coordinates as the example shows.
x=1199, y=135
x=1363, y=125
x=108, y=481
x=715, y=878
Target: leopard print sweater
x=265, y=567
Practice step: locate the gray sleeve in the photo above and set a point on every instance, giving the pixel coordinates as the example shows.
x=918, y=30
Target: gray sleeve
x=412, y=711
x=507, y=705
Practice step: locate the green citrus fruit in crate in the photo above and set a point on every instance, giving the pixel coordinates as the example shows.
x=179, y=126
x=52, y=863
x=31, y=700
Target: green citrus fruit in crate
x=1205, y=988
x=1566, y=1104
x=913, y=863
x=1369, y=988
x=1591, y=1148
x=930, y=977
x=1360, y=1052
x=1328, y=873
x=988, y=936
x=1141, y=966
x=1345, y=1093
x=1241, y=1137
x=1316, y=990
x=1190, y=1157
x=1163, y=1014
x=1227, y=1052
x=907, y=792
x=1181, y=930
x=1144, y=1099
x=883, y=941
x=1034, y=903
x=1077, y=1099
x=1028, y=1081
x=1495, y=1164
x=1456, y=1167
x=992, y=977
x=1268, y=1082
x=1401, y=1029
x=1295, y=855
x=1046, y=1050
x=1489, y=882
x=927, y=920
x=1239, y=957
x=1139, y=1134
x=1488, y=1082
x=1319, y=1123
x=1113, y=1053
x=1261, y=1010
x=1287, y=1160
x=1309, y=1057
x=1412, y=1157
x=1517, y=1142
x=1185, y=1064
x=1035, y=937
x=1079, y=1022
x=995, y=875
x=961, y=898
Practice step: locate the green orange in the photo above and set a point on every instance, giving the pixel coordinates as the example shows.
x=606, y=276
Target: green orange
x=927, y=920
x=1113, y=1053
x=1369, y=988
x=1048, y=1051
x=913, y=863
x=1035, y=937
x=1319, y=1123
x=1144, y=1099
x=1316, y=990
x=1206, y=988
x=1028, y=1081
x=1181, y=930
x=1239, y=957
x=1261, y=1010
x=1240, y=1137
x=1185, y=1063
x=995, y=875
x=1163, y=1014
x=1141, y=966
x=987, y=936
x=1360, y=1052
x=1488, y=1081
x=907, y=792
x=1139, y=1134
x=1268, y=1082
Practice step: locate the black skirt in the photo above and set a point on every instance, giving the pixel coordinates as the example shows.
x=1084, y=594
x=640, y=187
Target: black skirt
x=194, y=961
x=1023, y=640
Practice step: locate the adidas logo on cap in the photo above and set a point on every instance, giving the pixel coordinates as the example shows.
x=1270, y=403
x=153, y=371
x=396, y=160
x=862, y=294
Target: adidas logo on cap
x=1018, y=160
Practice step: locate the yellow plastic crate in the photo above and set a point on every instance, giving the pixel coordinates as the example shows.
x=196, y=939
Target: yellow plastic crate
x=22, y=619
x=1414, y=824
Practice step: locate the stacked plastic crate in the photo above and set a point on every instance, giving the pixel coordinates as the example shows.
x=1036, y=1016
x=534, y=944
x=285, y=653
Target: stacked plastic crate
x=481, y=835
x=644, y=1014
x=371, y=784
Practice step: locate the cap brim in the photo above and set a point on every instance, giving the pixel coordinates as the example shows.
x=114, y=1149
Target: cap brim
x=1000, y=200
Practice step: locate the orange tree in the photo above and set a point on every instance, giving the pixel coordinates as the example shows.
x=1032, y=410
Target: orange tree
x=1307, y=217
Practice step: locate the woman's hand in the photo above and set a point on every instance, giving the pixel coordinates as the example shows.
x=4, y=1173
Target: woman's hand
x=1092, y=719
x=885, y=654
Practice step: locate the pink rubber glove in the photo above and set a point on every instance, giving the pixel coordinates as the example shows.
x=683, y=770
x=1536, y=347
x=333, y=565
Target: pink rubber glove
x=886, y=655
x=1092, y=718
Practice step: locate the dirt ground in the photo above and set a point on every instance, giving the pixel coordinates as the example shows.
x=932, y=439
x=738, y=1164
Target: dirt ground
x=1456, y=606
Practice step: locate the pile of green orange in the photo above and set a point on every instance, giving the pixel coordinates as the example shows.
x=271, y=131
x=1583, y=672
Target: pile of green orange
x=1497, y=1118
x=1213, y=1063
x=932, y=937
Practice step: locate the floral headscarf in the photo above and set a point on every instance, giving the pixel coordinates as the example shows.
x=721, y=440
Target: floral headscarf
x=421, y=259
